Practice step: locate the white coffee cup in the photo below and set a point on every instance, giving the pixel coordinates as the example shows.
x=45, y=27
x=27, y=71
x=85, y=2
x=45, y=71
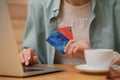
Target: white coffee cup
x=100, y=58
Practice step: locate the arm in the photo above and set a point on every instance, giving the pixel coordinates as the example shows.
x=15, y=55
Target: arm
x=28, y=55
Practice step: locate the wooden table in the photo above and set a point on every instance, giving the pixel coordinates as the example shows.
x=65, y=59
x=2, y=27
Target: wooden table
x=70, y=73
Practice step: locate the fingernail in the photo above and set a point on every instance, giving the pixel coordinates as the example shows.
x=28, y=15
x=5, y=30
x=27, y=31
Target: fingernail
x=28, y=58
x=26, y=63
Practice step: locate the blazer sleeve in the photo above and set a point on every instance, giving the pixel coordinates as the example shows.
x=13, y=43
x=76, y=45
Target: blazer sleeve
x=29, y=33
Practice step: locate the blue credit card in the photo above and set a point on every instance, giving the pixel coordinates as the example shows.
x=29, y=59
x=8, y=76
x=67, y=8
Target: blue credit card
x=58, y=40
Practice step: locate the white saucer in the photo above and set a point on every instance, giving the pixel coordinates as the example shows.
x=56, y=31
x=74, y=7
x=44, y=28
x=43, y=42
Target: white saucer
x=85, y=68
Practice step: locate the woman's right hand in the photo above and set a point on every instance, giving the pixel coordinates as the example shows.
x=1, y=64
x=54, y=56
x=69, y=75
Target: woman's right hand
x=76, y=47
x=28, y=57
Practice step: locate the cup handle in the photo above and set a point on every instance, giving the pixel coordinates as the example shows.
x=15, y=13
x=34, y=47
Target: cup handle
x=115, y=57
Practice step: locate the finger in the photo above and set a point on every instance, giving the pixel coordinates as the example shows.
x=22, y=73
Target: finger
x=69, y=56
x=32, y=51
x=35, y=58
x=22, y=55
x=76, y=50
x=71, y=50
x=22, y=58
x=26, y=57
x=29, y=54
x=72, y=46
x=79, y=51
x=34, y=61
x=67, y=46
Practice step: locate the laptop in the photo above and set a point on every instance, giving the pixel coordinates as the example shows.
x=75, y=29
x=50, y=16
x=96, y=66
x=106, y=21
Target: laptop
x=10, y=64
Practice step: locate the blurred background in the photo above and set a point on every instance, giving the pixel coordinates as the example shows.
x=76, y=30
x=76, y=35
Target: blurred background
x=18, y=14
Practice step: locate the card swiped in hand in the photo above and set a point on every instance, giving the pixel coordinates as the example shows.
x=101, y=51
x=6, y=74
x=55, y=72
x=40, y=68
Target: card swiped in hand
x=58, y=40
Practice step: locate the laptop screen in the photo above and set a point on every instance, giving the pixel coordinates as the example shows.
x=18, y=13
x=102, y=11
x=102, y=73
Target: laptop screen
x=9, y=58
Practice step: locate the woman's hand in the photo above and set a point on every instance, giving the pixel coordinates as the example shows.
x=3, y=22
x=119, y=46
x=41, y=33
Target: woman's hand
x=76, y=47
x=28, y=57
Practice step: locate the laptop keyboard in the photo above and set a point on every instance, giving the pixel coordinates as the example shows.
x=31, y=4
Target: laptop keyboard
x=32, y=68
x=36, y=68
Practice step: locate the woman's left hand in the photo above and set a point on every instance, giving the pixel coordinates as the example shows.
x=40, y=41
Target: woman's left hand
x=76, y=47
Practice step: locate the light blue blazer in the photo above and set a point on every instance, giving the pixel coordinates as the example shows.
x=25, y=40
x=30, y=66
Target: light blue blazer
x=104, y=28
